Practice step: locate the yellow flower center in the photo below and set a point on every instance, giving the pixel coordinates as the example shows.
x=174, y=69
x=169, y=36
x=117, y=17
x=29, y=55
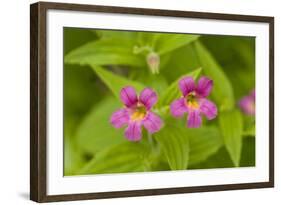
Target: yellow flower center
x=139, y=113
x=191, y=100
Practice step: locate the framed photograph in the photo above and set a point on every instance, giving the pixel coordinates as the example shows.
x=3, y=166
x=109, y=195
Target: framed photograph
x=134, y=102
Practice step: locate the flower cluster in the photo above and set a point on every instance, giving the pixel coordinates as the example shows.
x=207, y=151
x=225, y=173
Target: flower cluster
x=137, y=111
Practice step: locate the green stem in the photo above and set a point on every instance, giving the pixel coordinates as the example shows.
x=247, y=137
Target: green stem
x=138, y=50
x=150, y=140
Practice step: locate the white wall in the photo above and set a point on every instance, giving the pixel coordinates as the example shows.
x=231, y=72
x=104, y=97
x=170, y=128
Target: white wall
x=14, y=101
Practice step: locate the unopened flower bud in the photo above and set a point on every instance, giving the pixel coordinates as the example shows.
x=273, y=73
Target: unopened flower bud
x=153, y=62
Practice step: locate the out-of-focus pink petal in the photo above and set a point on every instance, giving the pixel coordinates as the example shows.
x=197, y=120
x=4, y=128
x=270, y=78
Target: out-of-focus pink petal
x=119, y=118
x=178, y=107
x=148, y=97
x=247, y=105
x=133, y=131
x=128, y=96
x=208, y=108
x=152, y=122
x=204, y=86
x=186, y=85
x=194, y=119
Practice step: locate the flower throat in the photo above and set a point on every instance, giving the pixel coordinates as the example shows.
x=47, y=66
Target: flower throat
x=191, y=100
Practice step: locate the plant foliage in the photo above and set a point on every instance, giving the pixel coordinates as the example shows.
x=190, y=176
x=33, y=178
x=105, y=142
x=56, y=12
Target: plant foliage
x=99, y=63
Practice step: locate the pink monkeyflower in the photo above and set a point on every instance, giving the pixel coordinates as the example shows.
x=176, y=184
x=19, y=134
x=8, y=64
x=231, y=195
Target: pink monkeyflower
x=194, y=101
x=248, y=103
x=137, y=113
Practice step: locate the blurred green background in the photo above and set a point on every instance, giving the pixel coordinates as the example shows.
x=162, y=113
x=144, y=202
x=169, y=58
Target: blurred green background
x=98, y=63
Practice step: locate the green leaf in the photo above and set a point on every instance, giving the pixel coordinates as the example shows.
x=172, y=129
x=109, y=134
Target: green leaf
x=248, y=155
x=157, y=82
x=222, y=90
x=173, y=92
x=95, y=133
x=249, y=126
x=122, y=158
x=163, y=43
x=231, y=126
x=75, y=37
x=250, y=131
x=73, y=158
x=179, y=62
x=79, y=83
x=203, y=143
x=221, y=158
x=106, y=51
x=236, y=54
x=111, y=34
x=115, y=82
x=173, y=141
x=168, y=42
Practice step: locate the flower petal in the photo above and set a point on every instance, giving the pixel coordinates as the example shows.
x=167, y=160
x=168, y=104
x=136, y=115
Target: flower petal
x=186, y=85
x=119, y=118
x=204, y=86
x=152, y=122
x=208, y=108
x=128, y=96
x=194, y=119
x=148, y=97
x=247, y=105
x=178, y=107
x=133, y=131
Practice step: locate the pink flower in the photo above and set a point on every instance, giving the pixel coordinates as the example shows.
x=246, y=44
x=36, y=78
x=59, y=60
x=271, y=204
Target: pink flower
x=194, y=101
x=247, y=103
x=137, y=113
